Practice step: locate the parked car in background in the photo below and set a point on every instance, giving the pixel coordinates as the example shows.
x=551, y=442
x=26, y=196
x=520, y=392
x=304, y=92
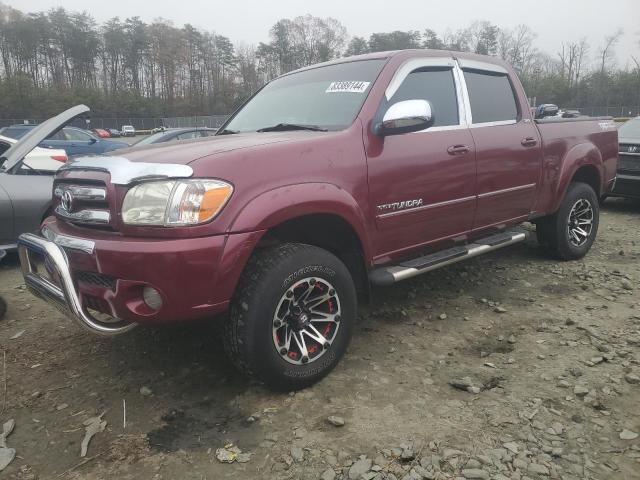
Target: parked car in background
x=365, y=170
x=114, y=132
x=102, y=133
x=3, y=303
x=26, y=192
x=171, y=134
x=75, y=141
x=128, y=131
x=16, y=131
x=44, y=159
x=628, y=179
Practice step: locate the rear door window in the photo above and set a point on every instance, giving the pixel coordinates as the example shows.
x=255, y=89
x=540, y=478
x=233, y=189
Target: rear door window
x=188, y=135
x=59, y=135
x=76, y=135
x=491, y=96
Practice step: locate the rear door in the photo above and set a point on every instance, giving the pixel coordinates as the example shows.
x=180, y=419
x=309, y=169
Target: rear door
x=422, y=184
x=508, y=152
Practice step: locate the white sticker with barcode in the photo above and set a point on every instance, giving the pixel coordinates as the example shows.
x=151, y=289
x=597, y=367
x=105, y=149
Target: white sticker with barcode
x=348, y=87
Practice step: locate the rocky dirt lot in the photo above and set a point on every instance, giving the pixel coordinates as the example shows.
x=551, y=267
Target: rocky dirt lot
x=510, y=366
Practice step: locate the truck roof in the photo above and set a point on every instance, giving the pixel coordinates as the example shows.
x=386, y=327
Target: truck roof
x=409, y=53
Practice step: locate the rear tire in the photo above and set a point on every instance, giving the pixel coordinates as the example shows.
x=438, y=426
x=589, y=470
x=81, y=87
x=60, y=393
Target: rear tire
x=571, y=231
x=280, y=330
x=3, y=308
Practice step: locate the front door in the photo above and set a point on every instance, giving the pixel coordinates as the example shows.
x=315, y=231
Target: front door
x=422, y=185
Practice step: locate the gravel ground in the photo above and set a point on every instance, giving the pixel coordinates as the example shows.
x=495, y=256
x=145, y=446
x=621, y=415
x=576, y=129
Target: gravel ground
x=510, y=366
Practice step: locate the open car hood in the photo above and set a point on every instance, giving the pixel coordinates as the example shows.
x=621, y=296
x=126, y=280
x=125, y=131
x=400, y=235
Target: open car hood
x=15, y=154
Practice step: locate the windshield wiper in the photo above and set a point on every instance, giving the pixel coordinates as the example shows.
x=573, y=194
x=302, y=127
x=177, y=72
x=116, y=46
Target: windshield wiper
x=226, y=132
x=283, y=127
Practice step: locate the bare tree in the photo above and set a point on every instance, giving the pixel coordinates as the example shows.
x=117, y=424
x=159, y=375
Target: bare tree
x=607, y=51
x=517, y=47
x=128, y=67
x=572, y=57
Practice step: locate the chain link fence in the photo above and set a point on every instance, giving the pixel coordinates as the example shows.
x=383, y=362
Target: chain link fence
x=211, y=121
x=215, y=121
x=616, y=112
x=139, y=123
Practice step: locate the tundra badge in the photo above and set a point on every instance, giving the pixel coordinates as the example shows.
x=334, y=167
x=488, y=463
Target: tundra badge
x=397, y=206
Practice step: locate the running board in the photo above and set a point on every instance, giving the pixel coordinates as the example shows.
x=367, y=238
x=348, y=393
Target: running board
x=394, y=273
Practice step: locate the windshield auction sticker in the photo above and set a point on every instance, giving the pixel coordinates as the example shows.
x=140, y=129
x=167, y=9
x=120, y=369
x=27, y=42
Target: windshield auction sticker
x=348, y=87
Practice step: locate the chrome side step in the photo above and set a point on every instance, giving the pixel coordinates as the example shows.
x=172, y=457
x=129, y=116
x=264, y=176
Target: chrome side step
x=394, y=273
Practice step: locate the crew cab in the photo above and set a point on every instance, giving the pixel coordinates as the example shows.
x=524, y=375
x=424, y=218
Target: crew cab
x=363, y=171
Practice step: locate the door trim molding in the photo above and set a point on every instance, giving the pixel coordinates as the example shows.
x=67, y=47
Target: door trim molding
x=427, y=207
x=506, y=190
x=456, y=201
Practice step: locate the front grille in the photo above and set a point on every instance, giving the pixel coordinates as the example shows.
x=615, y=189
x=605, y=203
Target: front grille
x=81, y=202
x=629, y=163
x=629, y=148
x=95, y=278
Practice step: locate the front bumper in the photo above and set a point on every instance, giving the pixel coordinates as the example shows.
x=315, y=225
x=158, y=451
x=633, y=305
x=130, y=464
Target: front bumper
x=626, y=186
x=106, y=275
x=56, y=285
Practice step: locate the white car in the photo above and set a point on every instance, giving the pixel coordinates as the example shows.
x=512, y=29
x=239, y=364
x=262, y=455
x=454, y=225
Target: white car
x=128, y=131
x=45, y=159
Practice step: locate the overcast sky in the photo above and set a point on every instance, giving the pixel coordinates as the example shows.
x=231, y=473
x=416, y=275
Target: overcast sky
x=249, y=21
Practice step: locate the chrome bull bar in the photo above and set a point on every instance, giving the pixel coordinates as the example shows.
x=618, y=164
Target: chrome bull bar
x=60, y=292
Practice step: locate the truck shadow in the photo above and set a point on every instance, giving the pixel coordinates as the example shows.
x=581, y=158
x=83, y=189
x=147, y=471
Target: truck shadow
x=621, y=205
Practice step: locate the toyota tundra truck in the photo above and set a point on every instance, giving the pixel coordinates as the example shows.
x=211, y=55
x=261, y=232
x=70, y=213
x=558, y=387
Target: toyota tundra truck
x=362, y=171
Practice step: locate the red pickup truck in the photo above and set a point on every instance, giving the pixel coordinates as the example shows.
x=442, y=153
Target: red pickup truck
x=365, y=170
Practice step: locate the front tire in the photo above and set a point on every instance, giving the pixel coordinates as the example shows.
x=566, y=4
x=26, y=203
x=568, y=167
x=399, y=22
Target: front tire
x=292, y=316
x=571, y=231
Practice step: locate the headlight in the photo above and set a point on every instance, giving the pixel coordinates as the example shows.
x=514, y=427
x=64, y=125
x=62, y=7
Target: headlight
x=175, y=202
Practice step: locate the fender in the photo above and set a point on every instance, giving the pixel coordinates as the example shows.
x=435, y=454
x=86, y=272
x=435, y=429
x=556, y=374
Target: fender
x=285, y=203
x=583, y=154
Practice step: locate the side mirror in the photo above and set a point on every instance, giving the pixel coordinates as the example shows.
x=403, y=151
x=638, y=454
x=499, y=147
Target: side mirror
x=405, y=117
x=93, y=140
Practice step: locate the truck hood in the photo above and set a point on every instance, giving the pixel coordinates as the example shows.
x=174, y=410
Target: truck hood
x=155, y=162
x=185, y=152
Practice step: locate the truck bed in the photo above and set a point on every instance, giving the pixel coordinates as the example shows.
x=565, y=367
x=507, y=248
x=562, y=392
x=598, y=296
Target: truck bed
x=565, y=138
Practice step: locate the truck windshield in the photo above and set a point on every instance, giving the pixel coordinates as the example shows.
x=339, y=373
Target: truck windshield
x=323, y=98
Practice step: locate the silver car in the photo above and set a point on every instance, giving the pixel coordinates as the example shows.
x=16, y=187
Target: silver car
x=25, y=193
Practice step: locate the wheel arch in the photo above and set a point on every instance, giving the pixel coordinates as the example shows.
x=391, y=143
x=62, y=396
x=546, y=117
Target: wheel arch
x=582, y=163
x=319, y=214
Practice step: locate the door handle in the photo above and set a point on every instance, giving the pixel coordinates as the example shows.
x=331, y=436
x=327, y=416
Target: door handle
x=458, y=150
x=529, y=142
